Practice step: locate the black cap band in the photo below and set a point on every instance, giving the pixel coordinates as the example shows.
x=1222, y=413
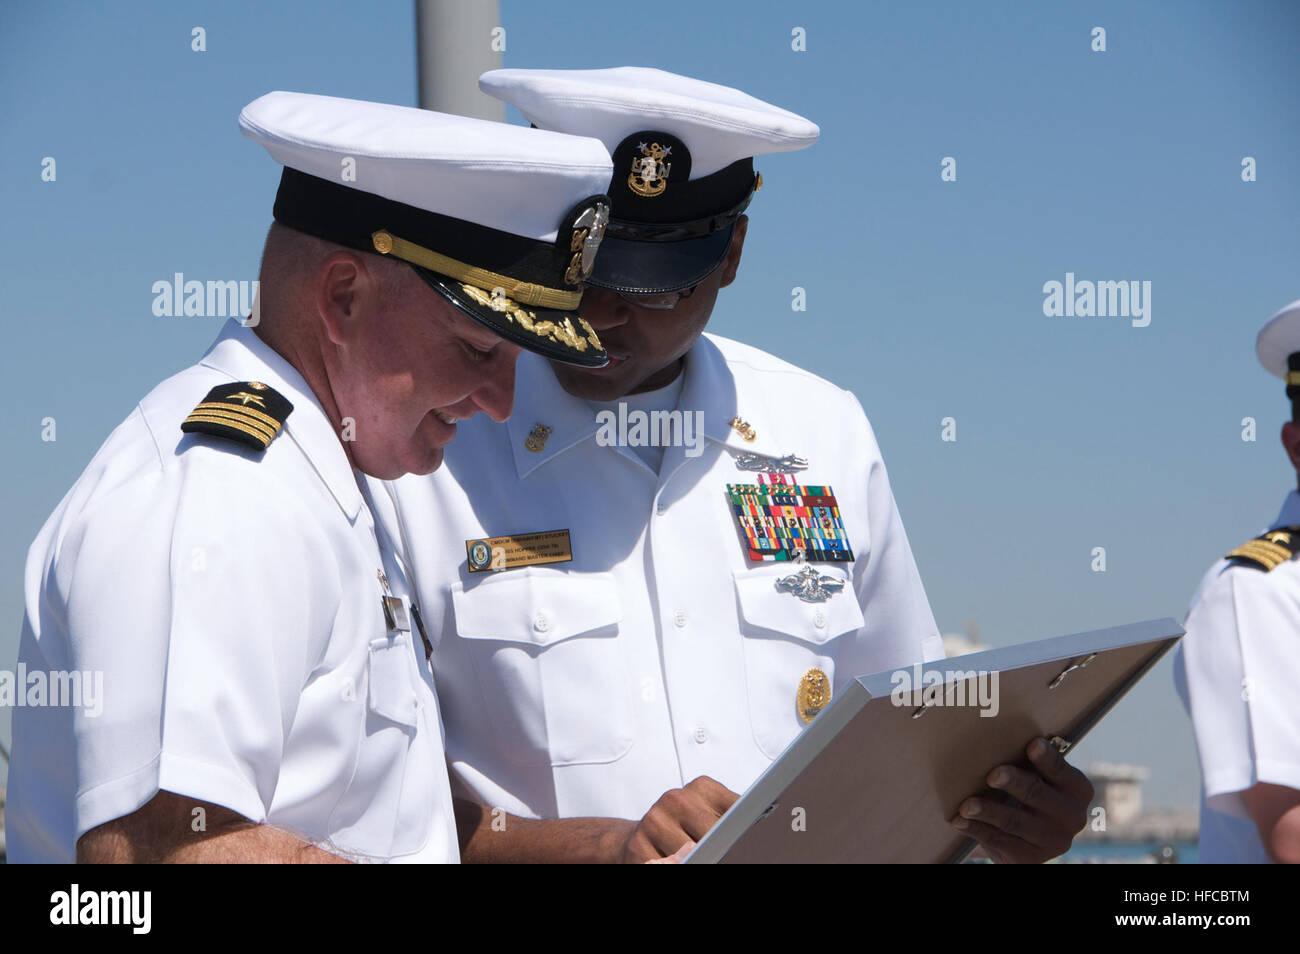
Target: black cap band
x=350, y=217
x=678, y=231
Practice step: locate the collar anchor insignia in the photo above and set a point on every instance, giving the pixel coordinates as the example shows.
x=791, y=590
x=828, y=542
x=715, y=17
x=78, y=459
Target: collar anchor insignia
x=536, y=439
x=743, y=428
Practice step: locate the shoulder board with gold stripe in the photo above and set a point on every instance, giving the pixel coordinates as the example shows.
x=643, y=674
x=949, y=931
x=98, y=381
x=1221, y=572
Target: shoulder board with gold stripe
x=1269, y=550
x=248, y=412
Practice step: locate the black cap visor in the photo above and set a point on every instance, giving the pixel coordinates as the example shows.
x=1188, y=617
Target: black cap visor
x=560, y=335
x=625, y=265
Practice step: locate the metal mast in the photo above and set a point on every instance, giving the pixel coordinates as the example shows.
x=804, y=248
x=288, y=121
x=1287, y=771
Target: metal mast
x=456, y=40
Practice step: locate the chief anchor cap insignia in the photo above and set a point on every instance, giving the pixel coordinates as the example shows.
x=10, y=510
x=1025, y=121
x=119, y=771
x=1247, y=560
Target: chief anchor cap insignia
x=649, y=175
x=813, y=695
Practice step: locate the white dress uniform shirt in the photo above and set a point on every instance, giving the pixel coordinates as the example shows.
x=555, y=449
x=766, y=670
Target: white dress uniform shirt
x=1237, y=670
x=661, y=652
x=232, y=601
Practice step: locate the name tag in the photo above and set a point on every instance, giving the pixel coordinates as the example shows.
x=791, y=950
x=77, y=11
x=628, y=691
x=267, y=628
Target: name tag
x=519, y=549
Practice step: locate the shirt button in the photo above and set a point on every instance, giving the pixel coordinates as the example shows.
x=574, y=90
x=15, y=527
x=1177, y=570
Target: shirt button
x=660, y=509
x=541, y=623
x=701, y=735
x=819, y=619
x=680, y=618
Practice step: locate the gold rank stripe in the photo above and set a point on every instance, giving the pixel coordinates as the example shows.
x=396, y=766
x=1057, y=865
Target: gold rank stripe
x=252, y=412
x=234, y=420
x=1269, y=554
x=539, y=296
x=237, y=414
x=259, y=439
x=252, y=428
x=1293, y=377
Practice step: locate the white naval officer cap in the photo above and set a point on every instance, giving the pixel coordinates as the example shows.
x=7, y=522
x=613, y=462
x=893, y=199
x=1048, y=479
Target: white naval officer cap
x=683, y=161
x=504, y=222
x=1278, y=348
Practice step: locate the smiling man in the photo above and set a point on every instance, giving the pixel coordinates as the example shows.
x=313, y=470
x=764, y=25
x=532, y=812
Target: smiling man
x=630, y=633
x=267, y=693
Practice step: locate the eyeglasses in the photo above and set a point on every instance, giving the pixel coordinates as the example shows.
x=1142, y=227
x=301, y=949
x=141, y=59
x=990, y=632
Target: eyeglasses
x=663, y=301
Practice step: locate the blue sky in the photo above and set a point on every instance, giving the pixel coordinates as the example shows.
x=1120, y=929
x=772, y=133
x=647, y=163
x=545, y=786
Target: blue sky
x=924, y=297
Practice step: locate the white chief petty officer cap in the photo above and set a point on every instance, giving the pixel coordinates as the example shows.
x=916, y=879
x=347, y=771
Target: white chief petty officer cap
x=504, y=222
x=1278, y=340
x=683, y=161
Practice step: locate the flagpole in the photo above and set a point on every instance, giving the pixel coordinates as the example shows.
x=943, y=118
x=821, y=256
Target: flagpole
x=456, y=40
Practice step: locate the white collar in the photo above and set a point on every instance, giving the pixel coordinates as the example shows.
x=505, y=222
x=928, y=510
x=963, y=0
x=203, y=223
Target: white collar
x=709, y=386
x=241, y=354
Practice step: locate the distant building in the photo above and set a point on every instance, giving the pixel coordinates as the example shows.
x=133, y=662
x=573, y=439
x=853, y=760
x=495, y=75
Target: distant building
x=962, y=644
x=1122, y=818
x=1119, y=791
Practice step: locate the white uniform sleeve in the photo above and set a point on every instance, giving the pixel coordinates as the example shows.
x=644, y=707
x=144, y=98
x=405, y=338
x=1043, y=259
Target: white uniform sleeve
x=899, y=627
x=193, y=597
x=1241, y=657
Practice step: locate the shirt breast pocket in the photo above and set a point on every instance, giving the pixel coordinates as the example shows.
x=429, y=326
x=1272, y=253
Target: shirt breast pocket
x=386, y=809
x=546, y=655
x=790, y=648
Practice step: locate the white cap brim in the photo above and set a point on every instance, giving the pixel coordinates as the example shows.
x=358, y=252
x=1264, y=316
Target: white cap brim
x=1279, y=339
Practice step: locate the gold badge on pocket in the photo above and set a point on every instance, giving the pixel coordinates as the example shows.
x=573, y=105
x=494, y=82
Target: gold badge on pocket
x=814, y=694
x=519, y=549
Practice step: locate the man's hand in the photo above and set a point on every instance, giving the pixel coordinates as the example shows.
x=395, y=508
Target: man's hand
x=679, y=818
x=1052, y=797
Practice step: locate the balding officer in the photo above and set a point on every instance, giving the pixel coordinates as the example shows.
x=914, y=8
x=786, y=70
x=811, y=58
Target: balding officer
x=1238, y=667
x=650, y=579
x=216, y=569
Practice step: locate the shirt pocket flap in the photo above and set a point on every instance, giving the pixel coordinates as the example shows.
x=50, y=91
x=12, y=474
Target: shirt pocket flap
x=765, y=608
x=390, y=693
x=536, y=609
